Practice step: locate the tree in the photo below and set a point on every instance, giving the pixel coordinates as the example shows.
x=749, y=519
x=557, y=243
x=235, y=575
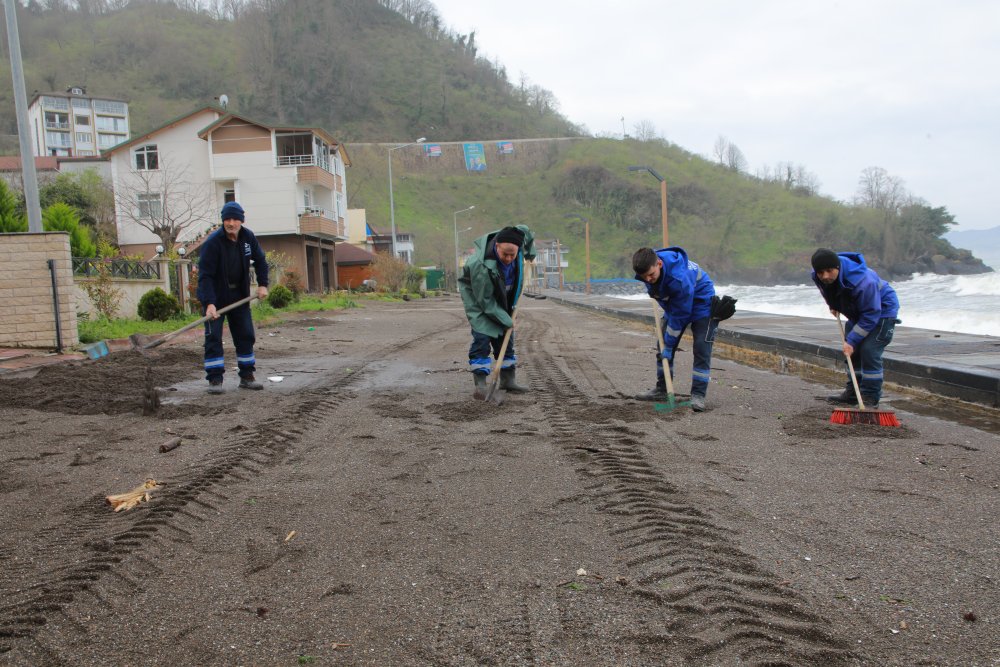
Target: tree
x=163, y=201
x=644, y=130
x=11, y=219
x=61, y=217
x=878, y=190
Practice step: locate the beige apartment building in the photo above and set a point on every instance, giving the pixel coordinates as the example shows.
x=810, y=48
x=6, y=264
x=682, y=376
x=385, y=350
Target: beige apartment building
x=75, y=124
x=290, y=180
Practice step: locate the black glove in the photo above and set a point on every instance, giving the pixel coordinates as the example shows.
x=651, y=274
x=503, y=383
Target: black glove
x=723, y=307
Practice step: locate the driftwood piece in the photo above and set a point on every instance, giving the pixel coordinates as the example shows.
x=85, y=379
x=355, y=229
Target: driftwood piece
x=129, y=499
x=171, y=444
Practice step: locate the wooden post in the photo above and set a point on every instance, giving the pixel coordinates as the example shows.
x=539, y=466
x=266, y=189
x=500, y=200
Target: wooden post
x=586, y=228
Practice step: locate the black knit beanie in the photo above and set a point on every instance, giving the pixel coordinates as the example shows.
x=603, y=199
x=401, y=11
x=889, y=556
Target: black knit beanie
x=510, y=235
x=824, y=258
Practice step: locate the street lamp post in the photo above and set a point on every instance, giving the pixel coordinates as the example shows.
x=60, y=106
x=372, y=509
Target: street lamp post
x=454, y=220
x=392, y=207
x=663, y=197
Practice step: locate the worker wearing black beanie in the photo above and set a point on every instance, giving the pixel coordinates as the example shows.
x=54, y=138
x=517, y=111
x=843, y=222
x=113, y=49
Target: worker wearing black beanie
x=824, y=258
x=870, y=305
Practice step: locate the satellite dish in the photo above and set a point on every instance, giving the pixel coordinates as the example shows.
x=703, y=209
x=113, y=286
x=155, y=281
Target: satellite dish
x=224, y=101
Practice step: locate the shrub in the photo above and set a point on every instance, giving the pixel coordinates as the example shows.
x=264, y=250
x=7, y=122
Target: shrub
x=280, y=296
x=293, y=281
x=102, y=291
x=158, y=305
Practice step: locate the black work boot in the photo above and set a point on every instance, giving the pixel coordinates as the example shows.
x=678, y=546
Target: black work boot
x=845, y=397
x=508, y=382
x=657, y=393
x=215, y=386
x=249, y=383
x=481, y=385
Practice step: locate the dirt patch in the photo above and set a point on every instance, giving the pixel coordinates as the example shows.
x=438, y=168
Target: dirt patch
x=815, y=424
x=110, y=385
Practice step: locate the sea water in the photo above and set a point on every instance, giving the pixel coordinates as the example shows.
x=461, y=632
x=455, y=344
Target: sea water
x=963, y=304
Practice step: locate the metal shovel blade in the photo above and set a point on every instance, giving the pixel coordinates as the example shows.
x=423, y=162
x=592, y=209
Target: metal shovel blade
x=140, y=341
x=671, y=404
x=497, y=396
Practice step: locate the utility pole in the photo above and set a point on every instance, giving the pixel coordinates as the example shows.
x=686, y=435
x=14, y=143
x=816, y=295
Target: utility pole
x=24, y=137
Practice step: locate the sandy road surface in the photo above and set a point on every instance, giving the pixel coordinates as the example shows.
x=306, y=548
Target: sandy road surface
x=431, y=529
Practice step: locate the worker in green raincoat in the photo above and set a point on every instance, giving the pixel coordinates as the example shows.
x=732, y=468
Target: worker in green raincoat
x=490, y=285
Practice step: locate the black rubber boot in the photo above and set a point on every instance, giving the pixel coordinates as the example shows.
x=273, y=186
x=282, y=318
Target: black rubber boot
x=657, y=393
x=845, y=397
x=249, y=383
x=481, y=385
x=508, y=383
x=215, y=386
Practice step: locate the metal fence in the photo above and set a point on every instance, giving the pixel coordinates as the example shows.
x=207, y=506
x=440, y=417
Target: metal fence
x=120, y=268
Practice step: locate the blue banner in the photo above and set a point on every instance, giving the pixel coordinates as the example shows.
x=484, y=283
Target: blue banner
x=505, y=148
x=432, y=150
x=475, y=157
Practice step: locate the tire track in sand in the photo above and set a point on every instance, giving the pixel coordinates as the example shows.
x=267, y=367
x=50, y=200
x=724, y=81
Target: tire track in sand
x=723, y=606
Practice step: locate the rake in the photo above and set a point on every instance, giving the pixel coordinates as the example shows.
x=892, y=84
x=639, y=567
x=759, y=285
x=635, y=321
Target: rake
x=861, y=414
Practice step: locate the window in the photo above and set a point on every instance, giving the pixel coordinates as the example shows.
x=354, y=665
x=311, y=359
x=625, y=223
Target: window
x=57, y=121
x=83, y=120
x=107, y=140
x=150, y=205
x=105, y=106
x=84, y=138
x=229, y=195
x=111, y=124
x=146, y=158
x=85, y=152
x=307, y=198
x=55, y=103
x=57, y=139
x=81, y=103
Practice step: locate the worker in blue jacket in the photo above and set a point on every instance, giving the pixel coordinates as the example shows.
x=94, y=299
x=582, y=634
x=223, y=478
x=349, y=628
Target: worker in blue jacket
x=870, y=305
x=685, y=292
x=224, y=278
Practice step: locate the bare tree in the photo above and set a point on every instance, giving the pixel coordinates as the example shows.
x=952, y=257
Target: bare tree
x=719, y=149
x=879, y=190
x=163, y=200
x=734, y=158
x=644, y=130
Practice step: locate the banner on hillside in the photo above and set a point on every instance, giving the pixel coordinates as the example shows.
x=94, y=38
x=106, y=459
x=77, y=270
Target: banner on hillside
x=432, y=150
x=475, y=157
x=505, y=148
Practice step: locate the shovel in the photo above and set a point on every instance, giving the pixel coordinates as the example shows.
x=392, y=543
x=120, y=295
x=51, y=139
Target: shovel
x=671, y=401
x=141, y=343
x=494, y=395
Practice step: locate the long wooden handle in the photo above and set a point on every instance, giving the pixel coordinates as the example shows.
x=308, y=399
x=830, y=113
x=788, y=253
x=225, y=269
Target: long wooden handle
x=503, y=350
x=659, y=346
x=192, y=325
x=850, y=366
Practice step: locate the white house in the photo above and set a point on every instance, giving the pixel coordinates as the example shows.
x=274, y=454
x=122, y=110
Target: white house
x=290, y=180
x=75, y=124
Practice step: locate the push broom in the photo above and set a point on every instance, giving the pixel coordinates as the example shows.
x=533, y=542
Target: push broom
x=861, y=415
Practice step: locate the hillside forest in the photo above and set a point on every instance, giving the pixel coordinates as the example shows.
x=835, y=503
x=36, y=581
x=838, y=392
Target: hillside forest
x=380, y=73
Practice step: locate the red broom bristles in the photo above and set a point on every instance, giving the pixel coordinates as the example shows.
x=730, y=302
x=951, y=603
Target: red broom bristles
x=855, y=416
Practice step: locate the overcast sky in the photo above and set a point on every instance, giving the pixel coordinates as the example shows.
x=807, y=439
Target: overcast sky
x=912, y=87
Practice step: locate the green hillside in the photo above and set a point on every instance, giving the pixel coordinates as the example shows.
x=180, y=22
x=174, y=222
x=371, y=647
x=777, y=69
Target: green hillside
x=739, y=227
x=369, y=74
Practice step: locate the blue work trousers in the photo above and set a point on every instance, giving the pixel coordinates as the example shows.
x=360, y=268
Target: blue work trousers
x=241, y=328
x=480, y=356
x=867, y=360
x=703, y=333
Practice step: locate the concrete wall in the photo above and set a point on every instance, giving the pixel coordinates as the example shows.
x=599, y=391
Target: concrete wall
x=132, y=291
x=29, y=318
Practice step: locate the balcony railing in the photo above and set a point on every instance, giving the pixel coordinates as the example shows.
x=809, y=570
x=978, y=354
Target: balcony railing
x=120, y=268
x=299, y=160
x=317, y=211
x=55, y=125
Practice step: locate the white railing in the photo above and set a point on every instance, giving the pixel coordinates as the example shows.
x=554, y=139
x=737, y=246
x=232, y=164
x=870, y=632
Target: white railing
x=303, y=160
x=295, y=160
x=55, y=125
x=315, y=210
